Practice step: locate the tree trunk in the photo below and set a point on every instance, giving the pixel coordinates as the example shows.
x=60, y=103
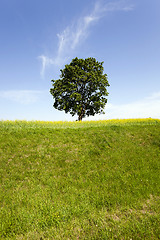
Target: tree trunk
x=80, y=117
x=82, y=103
x=81, y=114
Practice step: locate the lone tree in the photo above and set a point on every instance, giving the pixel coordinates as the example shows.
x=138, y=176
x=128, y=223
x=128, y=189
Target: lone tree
x=81, y=88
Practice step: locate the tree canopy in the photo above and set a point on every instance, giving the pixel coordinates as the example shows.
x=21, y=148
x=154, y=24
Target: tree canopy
x=81, y=89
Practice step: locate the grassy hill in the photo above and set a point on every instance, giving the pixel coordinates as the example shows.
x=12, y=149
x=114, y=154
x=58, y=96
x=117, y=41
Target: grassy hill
x=80, y=180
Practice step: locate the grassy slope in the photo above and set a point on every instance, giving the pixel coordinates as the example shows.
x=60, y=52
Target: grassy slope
x=93, y=180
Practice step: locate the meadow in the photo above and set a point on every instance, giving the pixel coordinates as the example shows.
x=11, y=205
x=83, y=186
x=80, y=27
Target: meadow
x=80, y=180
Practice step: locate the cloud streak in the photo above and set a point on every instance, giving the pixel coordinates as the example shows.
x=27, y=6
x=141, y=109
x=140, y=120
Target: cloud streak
x=72, y=36
x=24, y=97
x=145, y=108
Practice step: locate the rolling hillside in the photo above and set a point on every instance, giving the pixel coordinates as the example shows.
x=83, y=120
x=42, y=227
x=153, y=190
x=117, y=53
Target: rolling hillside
x=80, y=180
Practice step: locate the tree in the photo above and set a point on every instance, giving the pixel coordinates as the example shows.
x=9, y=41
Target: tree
x=81, y=88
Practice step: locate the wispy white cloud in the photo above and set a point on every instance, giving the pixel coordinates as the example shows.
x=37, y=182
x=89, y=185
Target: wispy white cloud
x=46, y=61
x=154, y=96
x=21, y=96
x=71, y=37
x=147, y=107
x=122, y=5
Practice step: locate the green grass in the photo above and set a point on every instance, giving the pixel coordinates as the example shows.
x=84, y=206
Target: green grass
x=87, y=180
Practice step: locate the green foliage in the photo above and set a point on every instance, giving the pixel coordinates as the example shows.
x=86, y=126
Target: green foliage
x=80, y=180
x=81, y=88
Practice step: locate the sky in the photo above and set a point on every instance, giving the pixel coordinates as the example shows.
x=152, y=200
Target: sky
x=39, y=37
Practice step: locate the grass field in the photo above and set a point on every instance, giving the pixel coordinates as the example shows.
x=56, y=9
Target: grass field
x=80, y=180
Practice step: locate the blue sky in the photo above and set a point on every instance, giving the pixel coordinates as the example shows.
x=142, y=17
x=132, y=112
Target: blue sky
x=38, y=37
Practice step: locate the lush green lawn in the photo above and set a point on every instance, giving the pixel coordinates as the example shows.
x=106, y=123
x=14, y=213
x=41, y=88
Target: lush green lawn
x=88, y=180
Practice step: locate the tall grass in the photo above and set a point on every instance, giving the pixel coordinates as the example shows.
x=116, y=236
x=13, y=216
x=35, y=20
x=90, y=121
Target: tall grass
x=76, y=124
x=80, y=180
